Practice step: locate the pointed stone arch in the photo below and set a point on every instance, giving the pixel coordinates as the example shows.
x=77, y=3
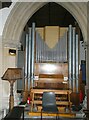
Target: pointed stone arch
x=22, y=12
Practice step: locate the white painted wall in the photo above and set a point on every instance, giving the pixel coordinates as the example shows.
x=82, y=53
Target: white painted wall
x=3, y=17
x=5, y=61
x=4, y=99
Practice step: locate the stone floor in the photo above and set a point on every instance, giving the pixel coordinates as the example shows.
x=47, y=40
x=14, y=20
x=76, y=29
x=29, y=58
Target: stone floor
x=79, y=116
x=54, y=118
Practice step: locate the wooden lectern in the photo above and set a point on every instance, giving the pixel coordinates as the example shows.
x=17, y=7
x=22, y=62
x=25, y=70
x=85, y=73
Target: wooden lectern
x=11, y=75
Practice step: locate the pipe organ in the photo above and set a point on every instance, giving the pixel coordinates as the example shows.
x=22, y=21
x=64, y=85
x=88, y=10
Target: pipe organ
x=46, y=54
x=50, y=67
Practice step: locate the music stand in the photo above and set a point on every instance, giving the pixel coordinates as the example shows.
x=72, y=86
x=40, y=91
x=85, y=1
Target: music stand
x=11, y=75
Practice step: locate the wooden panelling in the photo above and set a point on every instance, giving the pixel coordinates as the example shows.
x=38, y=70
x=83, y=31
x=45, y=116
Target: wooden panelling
x=51, y=68
x=51, y=85
x=51, y=76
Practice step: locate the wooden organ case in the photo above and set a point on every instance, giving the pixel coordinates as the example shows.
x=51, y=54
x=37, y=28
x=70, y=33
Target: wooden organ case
x=50, y=77
x=51, y=71
x=52, y=64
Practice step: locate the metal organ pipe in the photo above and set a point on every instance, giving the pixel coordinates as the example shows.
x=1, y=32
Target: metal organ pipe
x=77, y=63
x=66, y=47
x=40, y=51
x=36, y=49
x=37, y=52
x=73, y=61
x=29, y=59
x=46, y=54
x=70, y=56
x=59, y=51
x=32, y=52
x=26, y=62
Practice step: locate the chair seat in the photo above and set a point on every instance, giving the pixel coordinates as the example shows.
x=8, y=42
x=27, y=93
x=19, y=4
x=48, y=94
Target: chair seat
x=51, y=109
x=49, y=103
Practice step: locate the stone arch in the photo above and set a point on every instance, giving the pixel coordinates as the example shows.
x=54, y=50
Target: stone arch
x=22, y=12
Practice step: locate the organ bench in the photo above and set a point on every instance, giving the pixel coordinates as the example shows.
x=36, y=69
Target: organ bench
x=60, y=100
